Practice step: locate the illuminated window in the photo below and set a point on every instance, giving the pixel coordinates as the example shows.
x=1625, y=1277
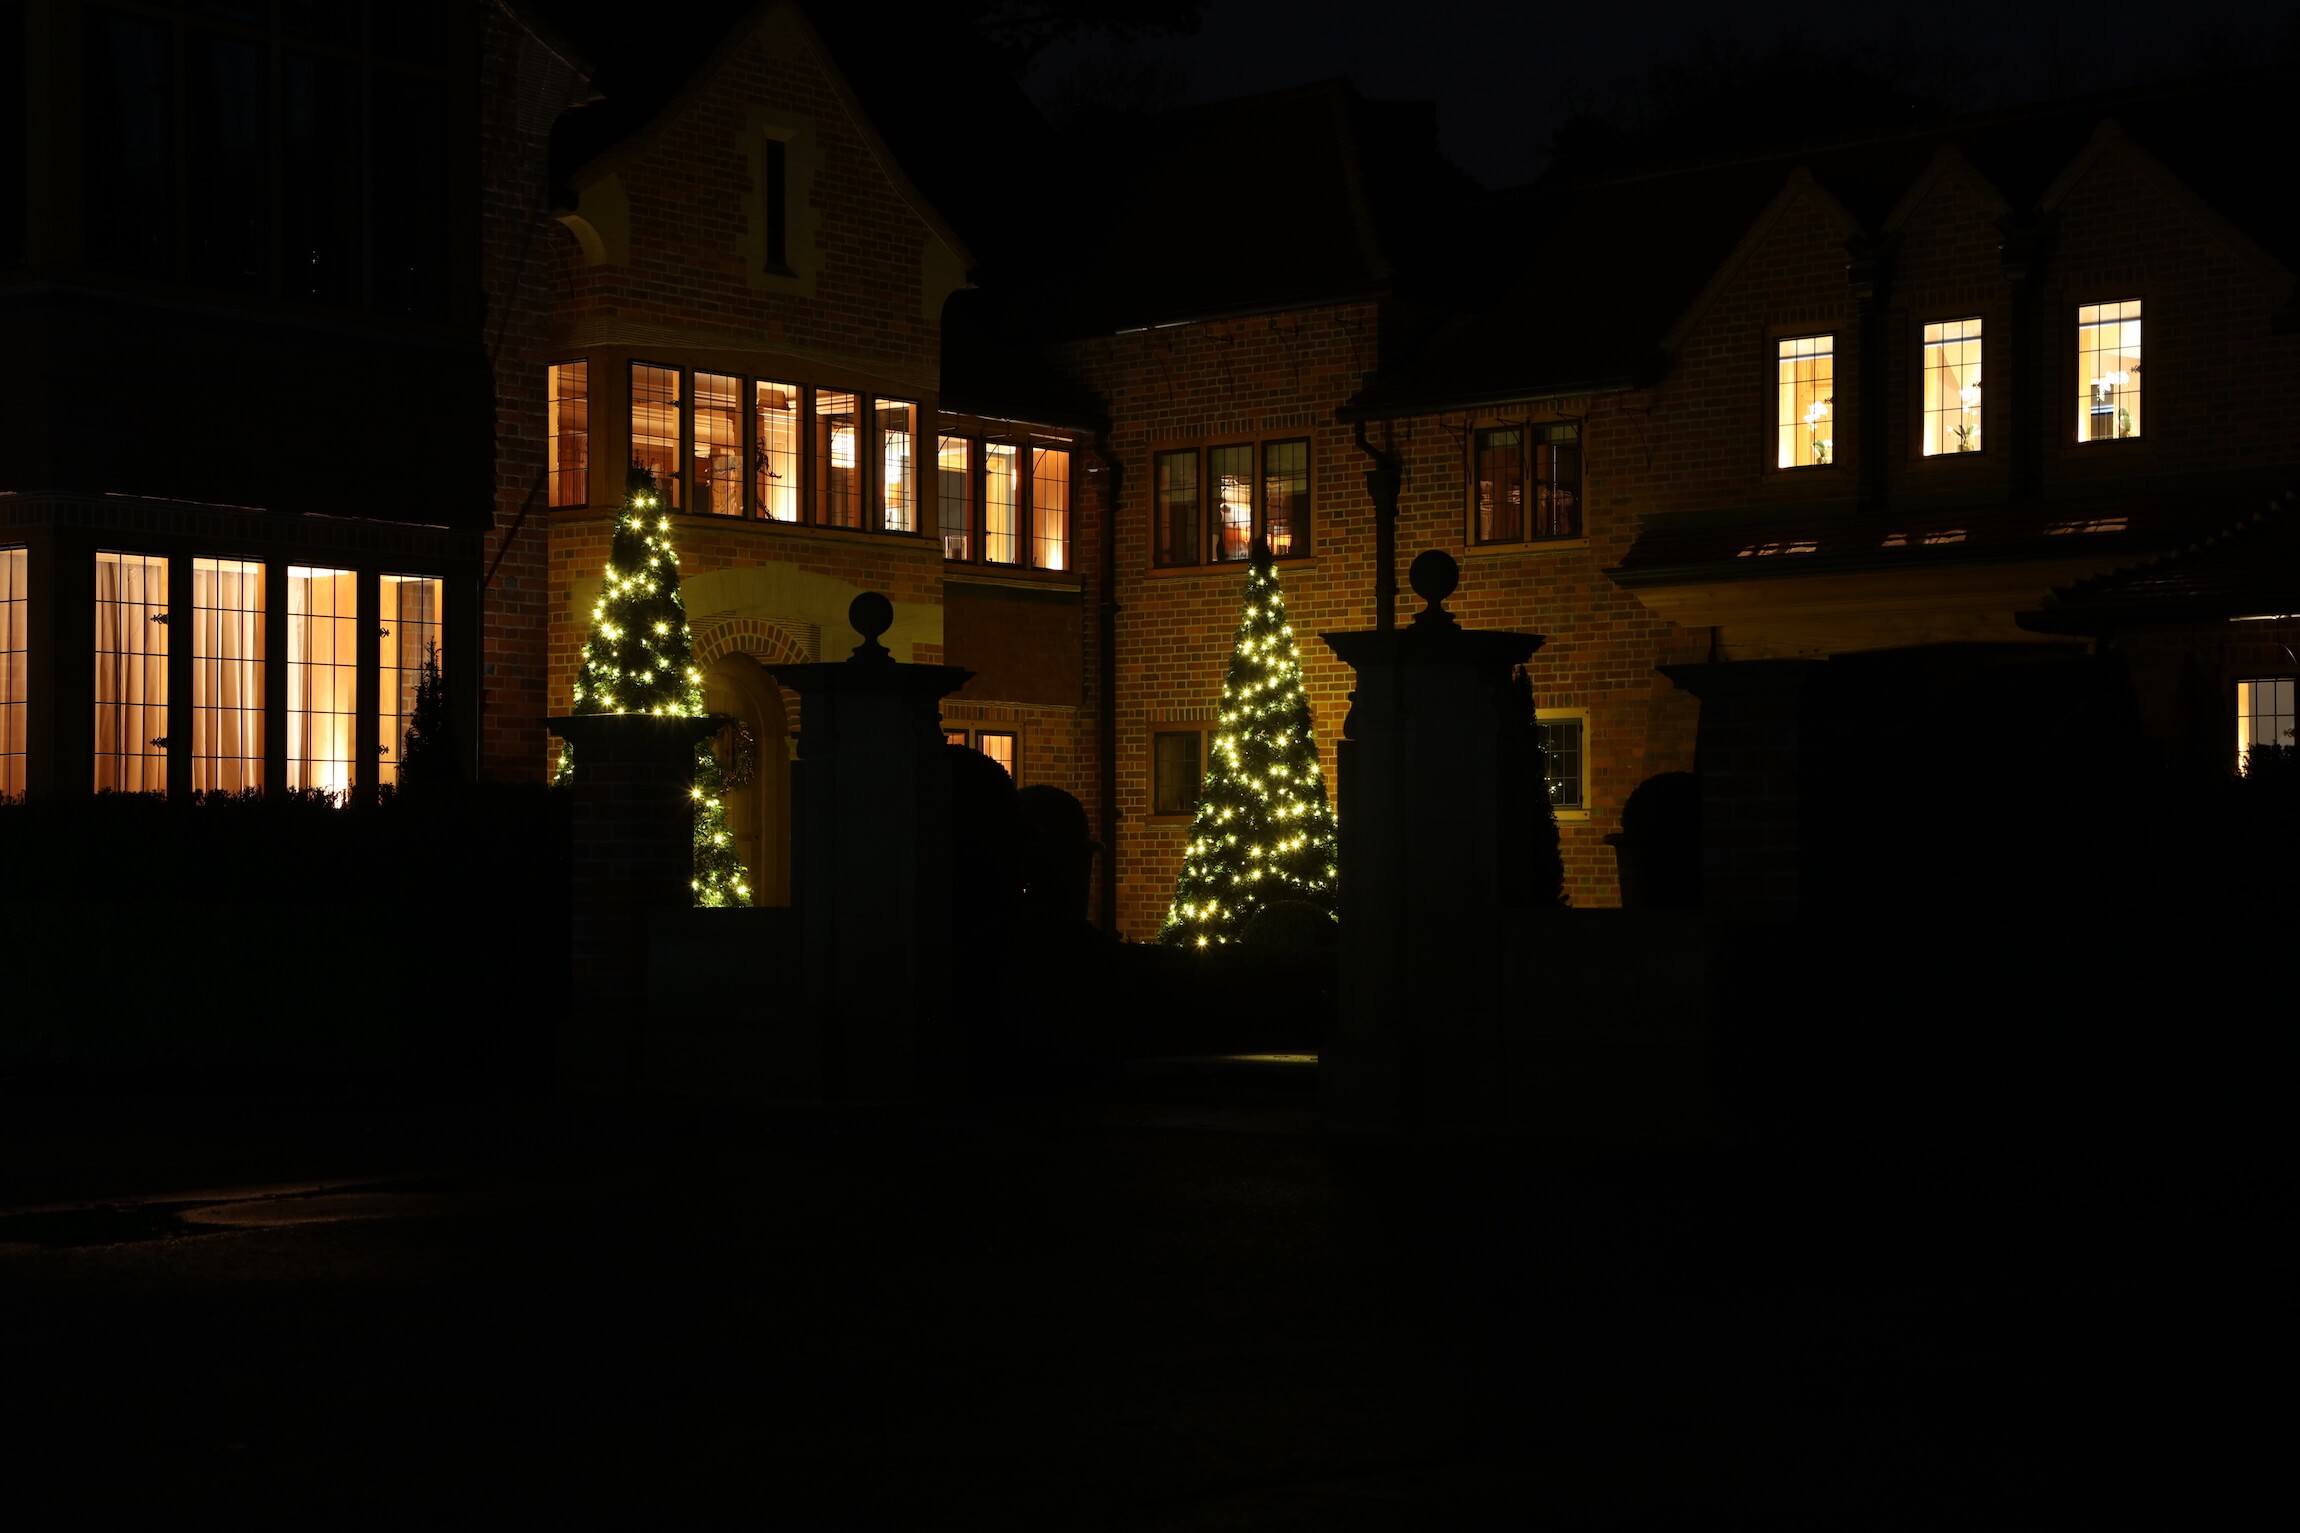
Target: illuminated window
x=2264, y=716
x=897, y=459
x=1952, y=387
x=1564, y=764
x=1050, y=508
x=322, y=677
x=1279, y=512
x=775, y=459
x=1286, y=496
x=15, y=668
x=411, y=633
x=954, y=495
x=838, y=461
x=1001, y=503
x=1231, y=470
x=2108, y=371
x=1534, y=465
x=998, y=745
x=569, y=433
x=1177, y=509
x=655, y=427
x=227, y=675
x=1175, y=773
x=131, y=673
x=718, y=444
x=954, y=737
x=1807, y=400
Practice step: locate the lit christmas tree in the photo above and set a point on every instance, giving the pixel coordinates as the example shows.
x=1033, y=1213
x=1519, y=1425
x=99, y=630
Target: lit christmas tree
x=1263, y=835
x=640, y=659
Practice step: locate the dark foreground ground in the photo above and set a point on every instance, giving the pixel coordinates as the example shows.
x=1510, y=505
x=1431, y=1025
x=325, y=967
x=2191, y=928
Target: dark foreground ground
x=1178, y=1306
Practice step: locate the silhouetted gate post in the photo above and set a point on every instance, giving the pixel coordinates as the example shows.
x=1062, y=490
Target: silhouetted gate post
x=1423, y=829
x=871, y=873
x=634, y=855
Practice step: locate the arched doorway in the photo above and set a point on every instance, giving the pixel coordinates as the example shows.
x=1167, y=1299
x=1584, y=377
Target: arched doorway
x=759, y=798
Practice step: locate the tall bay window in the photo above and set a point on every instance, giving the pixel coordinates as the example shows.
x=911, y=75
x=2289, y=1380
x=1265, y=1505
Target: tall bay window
x=322, y=677
x=410, y=635
x=775, y=458
x=897, y=455
x=2108, y=371
x=1211, y=503
x=838, y=460
x=1806, y=392
x=655, y=427
x=131, y=673
x=568, y=433
x=1526, y=481
x=227, y=675
x=1952, y=387
x=1001, y=503
x=718, y=438
x=15, y=670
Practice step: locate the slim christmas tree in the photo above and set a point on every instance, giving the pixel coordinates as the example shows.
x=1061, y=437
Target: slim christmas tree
x=640, y=659
x=1263, y=835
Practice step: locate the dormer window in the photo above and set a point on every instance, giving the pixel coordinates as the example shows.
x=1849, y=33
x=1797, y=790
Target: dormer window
x=2108, y=371
x=1806, y=413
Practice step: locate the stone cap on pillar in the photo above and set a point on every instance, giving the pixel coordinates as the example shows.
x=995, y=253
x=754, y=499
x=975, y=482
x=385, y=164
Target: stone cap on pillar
x=1435, y=637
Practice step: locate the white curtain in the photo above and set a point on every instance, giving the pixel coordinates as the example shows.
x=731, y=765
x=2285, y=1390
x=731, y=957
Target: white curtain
x=13, y=669
x=228, y=675
x=323, y=651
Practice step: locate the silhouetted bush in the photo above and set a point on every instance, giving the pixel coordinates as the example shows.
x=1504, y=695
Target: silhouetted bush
x=1659, y=843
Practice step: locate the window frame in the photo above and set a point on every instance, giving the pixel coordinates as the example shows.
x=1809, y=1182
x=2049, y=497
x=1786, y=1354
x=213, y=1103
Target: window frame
x=971, y=736
x=1585, y=810
x=1529, y=460
x=1920, y=414
x=1196, y=732
x=2239, y=717
x=1207, y=536
x=1776, y=427
x=2076, y=386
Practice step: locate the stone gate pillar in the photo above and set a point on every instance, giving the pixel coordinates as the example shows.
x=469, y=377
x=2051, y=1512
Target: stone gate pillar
x=871, y=873
x=634, y=855
x=1424, y=811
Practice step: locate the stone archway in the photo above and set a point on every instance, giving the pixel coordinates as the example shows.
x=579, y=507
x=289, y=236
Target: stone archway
x=759, y=805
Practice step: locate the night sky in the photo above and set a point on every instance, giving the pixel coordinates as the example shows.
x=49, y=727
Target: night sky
x=1505, y=73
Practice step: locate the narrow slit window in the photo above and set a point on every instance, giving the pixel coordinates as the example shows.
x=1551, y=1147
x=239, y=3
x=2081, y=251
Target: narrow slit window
x=1556, y=480
x=1232, y=471
x=1807, y=405
x=411, y=635
x=2108, y=371
x=1286, y=498
x=778, y=206
x=15, y=670
x=897, y=464
x=838, y=461
x=775, y=463
x=227, y=675
x=655, y=427
x=718, y=444
x=131, y=673
x=569, y=433
x=1050, y=508
x=1174, y=772
x=1952, y=387
x=1177, y=493
x=322, y=677
x=1001, y=503
x=953, y=495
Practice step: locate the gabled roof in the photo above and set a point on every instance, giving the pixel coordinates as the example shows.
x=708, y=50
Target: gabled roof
x=2247, y=567
x=1608, y=266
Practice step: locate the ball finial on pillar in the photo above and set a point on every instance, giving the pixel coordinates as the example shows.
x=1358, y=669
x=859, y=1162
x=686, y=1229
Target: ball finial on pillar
x=1434, y=576
x=871, y=614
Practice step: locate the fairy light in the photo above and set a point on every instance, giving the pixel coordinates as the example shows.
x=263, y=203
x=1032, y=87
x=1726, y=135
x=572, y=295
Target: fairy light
x=1263, y=832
